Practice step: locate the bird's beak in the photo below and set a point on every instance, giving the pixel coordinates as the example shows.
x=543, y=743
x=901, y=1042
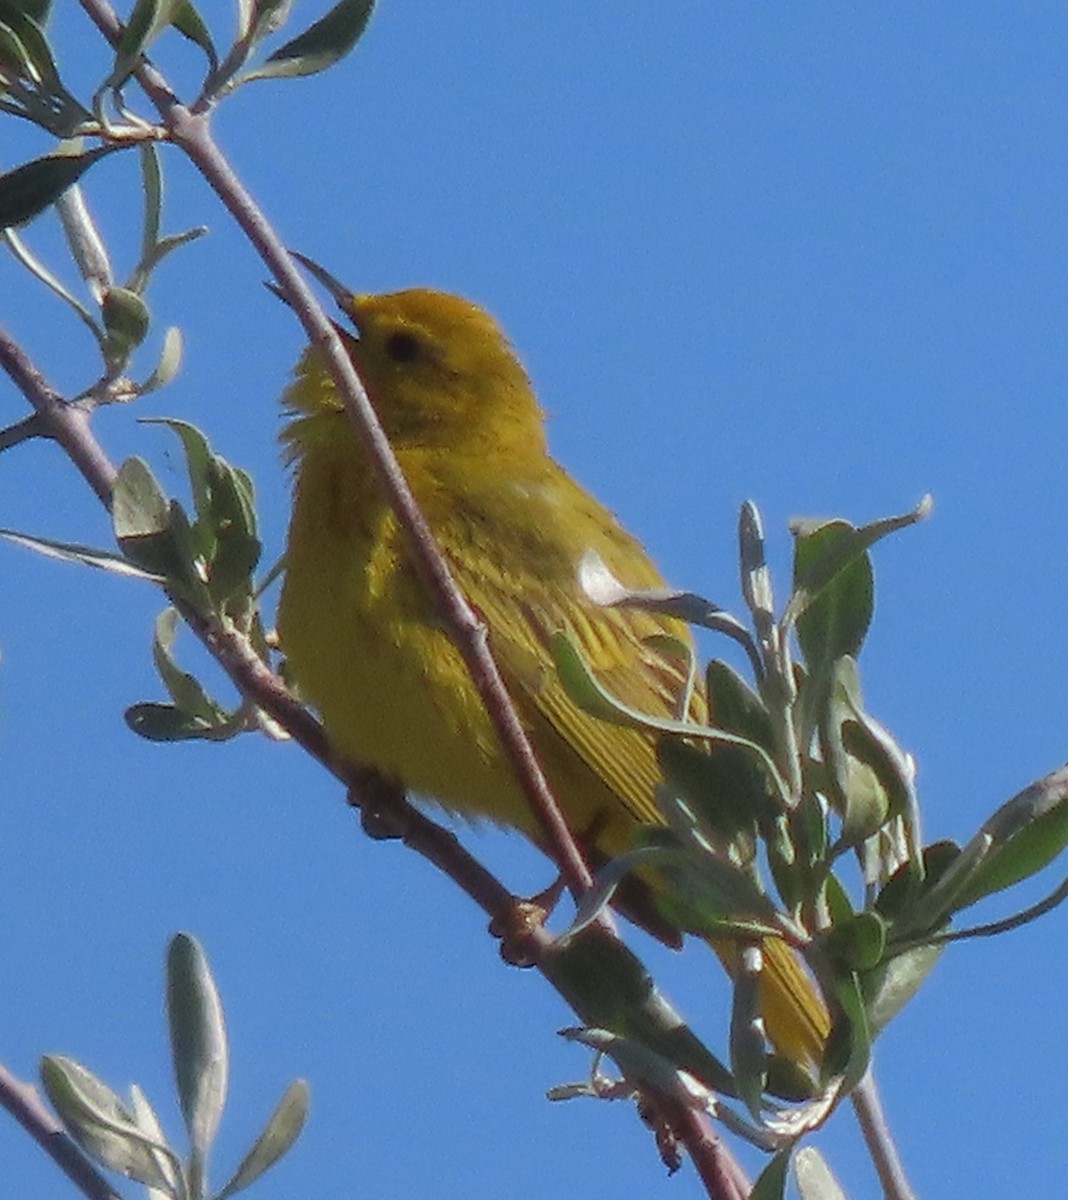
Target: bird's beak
x=342, y=295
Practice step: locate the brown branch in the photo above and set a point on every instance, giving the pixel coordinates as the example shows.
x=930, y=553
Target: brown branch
x=67, y=424
x=718, y=1169
x=190, y=132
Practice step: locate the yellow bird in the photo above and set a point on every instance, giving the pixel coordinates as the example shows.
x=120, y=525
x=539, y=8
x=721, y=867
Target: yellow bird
x=361, y=635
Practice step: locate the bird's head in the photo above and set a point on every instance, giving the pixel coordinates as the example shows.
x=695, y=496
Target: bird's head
x=439, y=372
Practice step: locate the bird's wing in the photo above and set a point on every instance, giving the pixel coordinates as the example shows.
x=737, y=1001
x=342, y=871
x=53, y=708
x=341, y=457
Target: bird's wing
x=531, y=593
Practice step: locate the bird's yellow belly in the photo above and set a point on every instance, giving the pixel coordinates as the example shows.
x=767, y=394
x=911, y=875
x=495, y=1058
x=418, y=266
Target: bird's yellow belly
x=365, y=650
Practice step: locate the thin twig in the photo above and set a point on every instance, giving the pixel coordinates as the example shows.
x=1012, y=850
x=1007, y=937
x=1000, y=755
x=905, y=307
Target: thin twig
x=719, y=1170
x=872, y=1120
x=22, y=431
x=67, y=424
x=23, y=1102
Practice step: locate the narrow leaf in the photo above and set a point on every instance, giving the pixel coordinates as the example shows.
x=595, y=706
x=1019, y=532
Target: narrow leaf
x=198, y=1041
x=756, y=578
x=277, y=1138
x=1029, y=832
x=146, y=22
x=321, y=45
x=894, y=982
x=771, y=1184
x=28, y=190
x=190, y=25
x=833, y=596
x=32, y=56
x=100, y=1123
x=183, y=688
x=820, y=560
x=748, y=1047
x=89, y=556
x=170, y=360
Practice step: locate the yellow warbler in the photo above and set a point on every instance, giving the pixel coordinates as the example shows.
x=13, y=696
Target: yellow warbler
x=361, y=635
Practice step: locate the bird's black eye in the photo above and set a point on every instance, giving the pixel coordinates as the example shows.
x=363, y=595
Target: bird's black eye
x=403, y=347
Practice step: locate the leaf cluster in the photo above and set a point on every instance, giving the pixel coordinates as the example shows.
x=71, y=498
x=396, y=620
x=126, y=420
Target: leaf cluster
x=791, y=791
x=129, y=1138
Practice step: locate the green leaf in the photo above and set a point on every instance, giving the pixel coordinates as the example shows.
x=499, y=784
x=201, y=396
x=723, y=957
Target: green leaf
x=190, y=25
x=139, y=507
x=748, y=1047
x=825, y=548
x=198, y=458
x=907, y=884
x=872, y=744
x=238, y=548
x=893, y=983
x=609, y=988
x=198, y=1041
x=155, y=533
x=126, y=321
x=833, y=592
x=859, y=942
x=88, y=556
x=170, y=360
x=771, y=1185
x=100, y=1123
x=84, y=239
x=147, y=1121
x=141, y=516
x=728, y=784
x=187, y=694
x=584, y=689
x=259, y=18
x=28, y=190
x=1028, y=833
x=147, y=21
x=282, y=1130
x=165, y=723
x=756, y=578
x=24, y=47
x=855, y=790
x=36, y=10
x=736, y=707
x=707, y=894
x=723, y=787
x=321, y=45
x=848, y=1050
x=636, y=1060
x=225, y=530
x=152, y=186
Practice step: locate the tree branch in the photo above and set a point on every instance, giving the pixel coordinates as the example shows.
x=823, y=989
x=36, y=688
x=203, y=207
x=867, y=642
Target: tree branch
x=873, y=1125
x=24, y=1104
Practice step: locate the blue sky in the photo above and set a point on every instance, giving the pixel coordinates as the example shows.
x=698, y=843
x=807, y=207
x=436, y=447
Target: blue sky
x=811, y=255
